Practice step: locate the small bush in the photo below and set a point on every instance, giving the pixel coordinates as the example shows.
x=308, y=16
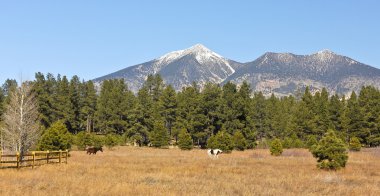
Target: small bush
x=55, y=138
x=83, y=139
x=184, y=140
x=276, y=147
x=222, y=140
x=355, y=144
x=240, y=143
x=111, y=140
x=331, y=152
x=292, y=142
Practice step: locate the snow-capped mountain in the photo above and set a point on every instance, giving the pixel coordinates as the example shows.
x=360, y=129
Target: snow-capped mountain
x=278, y=73
x=180, y=68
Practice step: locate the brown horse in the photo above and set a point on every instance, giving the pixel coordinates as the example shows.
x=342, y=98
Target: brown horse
x=93, y=150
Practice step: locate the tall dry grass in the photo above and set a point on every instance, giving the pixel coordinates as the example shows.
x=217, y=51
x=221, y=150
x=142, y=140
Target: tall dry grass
x=145, y=171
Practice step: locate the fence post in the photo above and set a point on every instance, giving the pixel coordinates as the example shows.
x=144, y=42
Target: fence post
x=34, y=159
x=18, y=159
x=67, y=154
x=47, y=157
x=60, y=156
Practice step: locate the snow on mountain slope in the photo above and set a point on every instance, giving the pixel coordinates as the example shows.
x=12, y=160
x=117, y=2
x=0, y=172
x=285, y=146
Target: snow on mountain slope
x=180, y=68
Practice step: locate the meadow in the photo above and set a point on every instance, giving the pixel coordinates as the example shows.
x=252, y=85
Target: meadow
x=148, y=171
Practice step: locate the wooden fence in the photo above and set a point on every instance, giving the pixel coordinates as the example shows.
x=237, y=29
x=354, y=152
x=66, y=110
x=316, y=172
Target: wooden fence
x=33, y=158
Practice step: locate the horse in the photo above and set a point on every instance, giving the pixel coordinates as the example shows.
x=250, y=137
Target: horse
x=213, y=153
x=93, y=150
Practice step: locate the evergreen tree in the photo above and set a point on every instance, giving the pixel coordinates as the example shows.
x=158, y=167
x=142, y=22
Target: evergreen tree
x=369, y=102
x=55, y=137
x=211, y=105
x=190, y=114
x=168, y=107
x=44, y=98
x=355, y=124
x=159, y=136
x=185, y=142
x=239, y=141
x=74, y=113
x=88, y=109
x=331, y=152
x=61, y=104
x=8, y=86
x=112, y=107
x=222, y=140
x=260, y=116
x=321, y=113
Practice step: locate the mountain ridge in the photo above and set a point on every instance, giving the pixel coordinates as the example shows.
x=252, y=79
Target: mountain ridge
x=278, y=73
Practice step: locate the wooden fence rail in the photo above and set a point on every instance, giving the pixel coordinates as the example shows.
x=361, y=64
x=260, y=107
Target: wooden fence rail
x=32, y=158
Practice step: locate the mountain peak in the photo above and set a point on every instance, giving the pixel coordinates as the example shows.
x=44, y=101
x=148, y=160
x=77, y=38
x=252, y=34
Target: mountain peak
x=198, y=47
x=325, y=51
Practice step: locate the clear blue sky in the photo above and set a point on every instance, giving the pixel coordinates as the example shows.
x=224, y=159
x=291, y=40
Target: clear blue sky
x=93, y=38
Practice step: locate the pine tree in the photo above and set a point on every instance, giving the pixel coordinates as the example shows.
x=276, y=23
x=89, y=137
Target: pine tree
x=276, y=148
x=159, y=136
x=44, y=99
x=369, y=102
x=55, y=137
x=355, y=125
x=112, y=107
x=259, y=116
x=185, y=142
x=190, y=114
x=88, y=109
x=331, y=152
x=74, y=113
x=240, y=143
x=321, y=113
x=61, y=101
x=168, y=107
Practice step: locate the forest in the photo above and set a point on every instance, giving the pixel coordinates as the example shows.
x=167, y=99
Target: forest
x=157, y=115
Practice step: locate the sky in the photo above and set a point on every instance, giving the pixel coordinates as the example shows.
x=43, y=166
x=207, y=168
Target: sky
x=93, y=38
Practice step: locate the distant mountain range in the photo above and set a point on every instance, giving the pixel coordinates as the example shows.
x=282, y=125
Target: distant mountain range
x=278, y=73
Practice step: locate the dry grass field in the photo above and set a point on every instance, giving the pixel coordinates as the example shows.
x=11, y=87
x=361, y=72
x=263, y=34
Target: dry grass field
x=146, y=171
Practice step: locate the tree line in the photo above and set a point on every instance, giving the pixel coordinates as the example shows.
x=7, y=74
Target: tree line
x=230, y=116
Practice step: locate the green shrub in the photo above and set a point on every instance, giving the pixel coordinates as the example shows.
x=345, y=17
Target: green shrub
x=83, y=139
x=331, y=152
x=287, y=142
x=55, y=138
x=185, y=142
x=240, y=143
x=222, y=140
x=276, y=148
x=311, y=141
x=355, y=144
x=292, y=142
x=111, y=140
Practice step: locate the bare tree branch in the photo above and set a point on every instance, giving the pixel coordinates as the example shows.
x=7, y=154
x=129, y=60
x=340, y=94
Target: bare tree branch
x=21, y=128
